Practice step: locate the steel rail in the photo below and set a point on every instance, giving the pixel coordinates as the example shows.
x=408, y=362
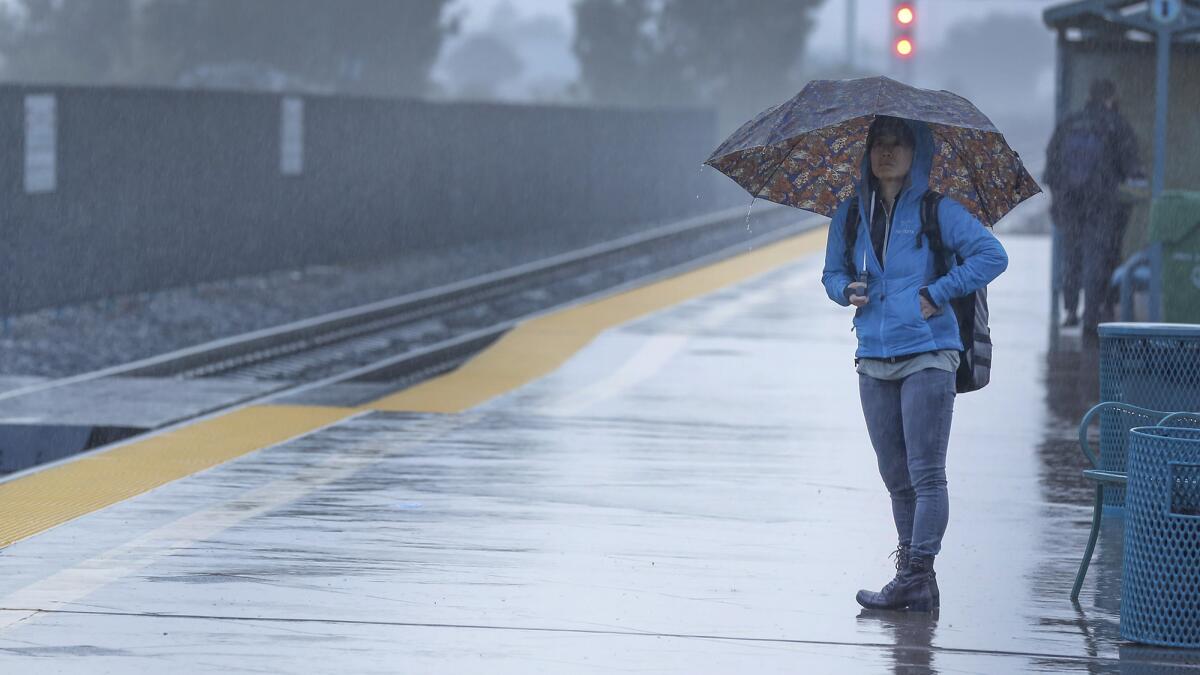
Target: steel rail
x=290, y=345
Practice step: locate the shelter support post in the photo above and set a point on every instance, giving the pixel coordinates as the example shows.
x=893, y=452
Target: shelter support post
x=1162, y=98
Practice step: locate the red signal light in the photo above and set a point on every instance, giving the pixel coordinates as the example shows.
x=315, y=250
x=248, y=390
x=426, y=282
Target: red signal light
x=904, y=24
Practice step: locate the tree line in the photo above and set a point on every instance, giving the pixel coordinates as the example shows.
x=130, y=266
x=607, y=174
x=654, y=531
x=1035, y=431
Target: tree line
x=357, y=46
x=738, y=55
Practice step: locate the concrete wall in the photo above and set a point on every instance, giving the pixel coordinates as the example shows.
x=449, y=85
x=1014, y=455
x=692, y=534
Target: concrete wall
x=159, y=188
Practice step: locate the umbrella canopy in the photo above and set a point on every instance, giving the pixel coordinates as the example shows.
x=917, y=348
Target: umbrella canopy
x=807, y=152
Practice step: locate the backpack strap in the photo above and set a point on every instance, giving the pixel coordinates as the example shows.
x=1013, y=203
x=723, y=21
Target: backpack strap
x=931, y=231
x=851, y=233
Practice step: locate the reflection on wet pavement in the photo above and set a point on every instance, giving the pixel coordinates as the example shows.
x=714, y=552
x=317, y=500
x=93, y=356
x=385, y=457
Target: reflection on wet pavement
x=713, y=510
x=911, y=637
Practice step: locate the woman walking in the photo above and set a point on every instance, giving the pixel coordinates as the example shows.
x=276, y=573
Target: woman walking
x=882, y=263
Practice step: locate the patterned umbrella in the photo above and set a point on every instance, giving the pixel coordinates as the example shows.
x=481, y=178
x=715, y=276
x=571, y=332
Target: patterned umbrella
x=807, y=152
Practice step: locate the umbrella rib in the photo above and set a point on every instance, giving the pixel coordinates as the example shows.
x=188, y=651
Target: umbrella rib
x=777, y=167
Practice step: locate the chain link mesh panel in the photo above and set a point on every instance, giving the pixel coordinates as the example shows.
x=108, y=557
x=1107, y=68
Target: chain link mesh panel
x=1155, y=366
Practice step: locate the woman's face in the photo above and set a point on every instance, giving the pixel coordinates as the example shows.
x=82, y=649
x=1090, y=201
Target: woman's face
x=890, y=158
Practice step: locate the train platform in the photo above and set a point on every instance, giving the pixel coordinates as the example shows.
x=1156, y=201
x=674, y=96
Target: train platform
x=673, y=479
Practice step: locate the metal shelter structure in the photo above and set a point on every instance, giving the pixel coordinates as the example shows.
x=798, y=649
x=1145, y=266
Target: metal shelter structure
x=1163, y=21
x=1126, y=40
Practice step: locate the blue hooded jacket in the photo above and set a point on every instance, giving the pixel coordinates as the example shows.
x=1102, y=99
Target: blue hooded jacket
x=890, y=324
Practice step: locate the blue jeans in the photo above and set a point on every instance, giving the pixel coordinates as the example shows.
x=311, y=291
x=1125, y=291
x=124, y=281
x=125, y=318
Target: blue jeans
x=909, y=424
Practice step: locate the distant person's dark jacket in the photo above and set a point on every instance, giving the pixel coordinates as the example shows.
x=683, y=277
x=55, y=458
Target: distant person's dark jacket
x=1118, y=159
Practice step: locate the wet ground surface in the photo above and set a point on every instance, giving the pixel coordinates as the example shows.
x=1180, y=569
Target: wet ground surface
x=43, y=420
x=693, y=492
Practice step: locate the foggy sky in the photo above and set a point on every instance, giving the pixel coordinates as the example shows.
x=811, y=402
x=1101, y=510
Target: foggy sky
x=551, y=63
x=873, y=16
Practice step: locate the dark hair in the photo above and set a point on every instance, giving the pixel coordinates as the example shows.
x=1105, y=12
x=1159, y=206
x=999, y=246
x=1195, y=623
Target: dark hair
x=1102, y=90
x=884, y=125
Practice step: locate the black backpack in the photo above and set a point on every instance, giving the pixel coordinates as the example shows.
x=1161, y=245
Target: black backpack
x=1083, y=152
x=975, y=368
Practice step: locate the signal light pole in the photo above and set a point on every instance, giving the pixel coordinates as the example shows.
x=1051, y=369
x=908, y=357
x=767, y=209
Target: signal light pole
x=851, y=32
x=904, y=44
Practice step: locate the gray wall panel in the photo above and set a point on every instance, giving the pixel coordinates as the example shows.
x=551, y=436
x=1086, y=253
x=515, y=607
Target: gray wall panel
x=160, y=188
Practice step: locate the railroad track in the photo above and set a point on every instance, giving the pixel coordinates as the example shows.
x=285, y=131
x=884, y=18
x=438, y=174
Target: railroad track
x=404, y=340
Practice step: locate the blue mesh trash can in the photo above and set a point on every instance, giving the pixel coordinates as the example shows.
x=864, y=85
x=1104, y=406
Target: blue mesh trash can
x=1160, y=580
x=1152, y=365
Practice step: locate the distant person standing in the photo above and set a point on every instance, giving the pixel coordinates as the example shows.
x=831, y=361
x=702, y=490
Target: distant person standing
x=1091, y=153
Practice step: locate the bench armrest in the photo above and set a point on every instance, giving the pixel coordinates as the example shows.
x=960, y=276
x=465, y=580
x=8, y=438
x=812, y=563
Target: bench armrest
x=1156, y=415
x=1189, y=418
x=1114, y=477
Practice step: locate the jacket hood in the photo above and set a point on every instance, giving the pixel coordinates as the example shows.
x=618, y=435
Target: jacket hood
x=918, y=175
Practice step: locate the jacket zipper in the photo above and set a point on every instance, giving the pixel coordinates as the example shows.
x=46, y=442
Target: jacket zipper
x=887, y=237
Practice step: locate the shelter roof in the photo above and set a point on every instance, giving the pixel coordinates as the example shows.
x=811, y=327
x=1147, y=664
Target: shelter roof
x=1116, y=18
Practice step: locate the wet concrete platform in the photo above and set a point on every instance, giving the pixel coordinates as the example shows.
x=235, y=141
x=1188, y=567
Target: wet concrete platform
x=692, y=492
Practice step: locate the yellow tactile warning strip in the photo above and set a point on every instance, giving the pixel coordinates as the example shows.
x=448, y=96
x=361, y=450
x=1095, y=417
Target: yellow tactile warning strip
x=42, y=500
x=45, y=499
x=541, y=345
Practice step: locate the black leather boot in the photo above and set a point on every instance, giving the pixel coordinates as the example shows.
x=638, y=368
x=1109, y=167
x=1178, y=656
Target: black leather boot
x=902, y=554
x=910, y=590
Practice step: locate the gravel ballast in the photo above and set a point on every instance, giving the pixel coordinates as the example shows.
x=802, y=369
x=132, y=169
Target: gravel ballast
x=89, y=336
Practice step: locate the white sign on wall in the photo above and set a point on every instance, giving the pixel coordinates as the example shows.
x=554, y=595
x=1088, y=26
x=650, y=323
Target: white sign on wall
x=291, y=136
x=41, y=143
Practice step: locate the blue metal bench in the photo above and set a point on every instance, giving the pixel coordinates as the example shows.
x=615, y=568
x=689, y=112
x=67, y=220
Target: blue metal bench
x=1140, y=272
x=1108, y=467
